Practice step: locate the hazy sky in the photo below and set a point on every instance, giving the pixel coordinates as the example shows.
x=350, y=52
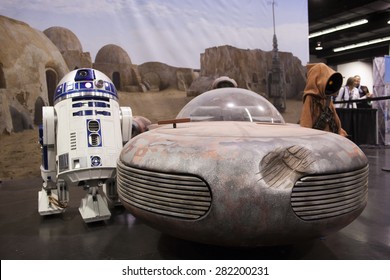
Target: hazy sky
x=174, y=32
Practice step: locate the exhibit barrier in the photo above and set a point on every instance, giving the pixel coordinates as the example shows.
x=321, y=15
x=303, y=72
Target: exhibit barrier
x=361, y=124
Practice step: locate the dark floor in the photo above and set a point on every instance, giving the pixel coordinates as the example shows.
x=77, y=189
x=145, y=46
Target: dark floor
x=24, y=234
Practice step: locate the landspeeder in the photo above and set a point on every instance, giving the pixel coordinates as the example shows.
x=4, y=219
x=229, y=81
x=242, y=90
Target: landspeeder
x=81, y=138
x=238, y=175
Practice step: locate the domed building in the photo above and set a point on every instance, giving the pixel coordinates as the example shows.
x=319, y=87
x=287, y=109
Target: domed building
x=114, y=61
x=30, y=68
x=69, y=46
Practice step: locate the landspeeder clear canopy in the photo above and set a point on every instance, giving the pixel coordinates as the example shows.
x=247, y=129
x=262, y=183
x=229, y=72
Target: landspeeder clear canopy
x=231, y=104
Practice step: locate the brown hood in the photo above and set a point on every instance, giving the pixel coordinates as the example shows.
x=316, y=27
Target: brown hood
x=322, y=80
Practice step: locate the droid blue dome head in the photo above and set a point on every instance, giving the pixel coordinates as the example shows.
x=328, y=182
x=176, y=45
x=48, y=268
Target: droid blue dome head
x=231, y=104
x=85, y=82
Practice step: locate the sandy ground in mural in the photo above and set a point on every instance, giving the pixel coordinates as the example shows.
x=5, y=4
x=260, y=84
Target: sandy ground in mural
x=20, y=153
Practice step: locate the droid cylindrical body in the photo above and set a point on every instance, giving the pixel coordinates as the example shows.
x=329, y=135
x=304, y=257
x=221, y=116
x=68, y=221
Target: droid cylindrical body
x=88, y=127
x=81, y=137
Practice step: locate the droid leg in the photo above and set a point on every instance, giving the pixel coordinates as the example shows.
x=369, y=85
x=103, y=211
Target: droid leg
x=94, y=207
x=53, y=198
x=110, y=191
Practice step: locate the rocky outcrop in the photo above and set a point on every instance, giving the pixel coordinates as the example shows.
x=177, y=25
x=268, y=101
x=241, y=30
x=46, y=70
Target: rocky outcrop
x=251, y=69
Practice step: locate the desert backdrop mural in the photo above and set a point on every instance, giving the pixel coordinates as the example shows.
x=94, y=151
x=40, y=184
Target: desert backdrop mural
x=159, y=55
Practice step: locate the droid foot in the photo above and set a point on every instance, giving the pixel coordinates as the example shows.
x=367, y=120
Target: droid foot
x=94, y=208
x=48, y=203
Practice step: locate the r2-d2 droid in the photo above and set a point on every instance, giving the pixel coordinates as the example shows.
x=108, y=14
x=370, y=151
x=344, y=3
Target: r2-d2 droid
x=81, y=138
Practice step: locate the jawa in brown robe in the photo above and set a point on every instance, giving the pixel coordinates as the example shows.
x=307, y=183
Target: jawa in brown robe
x=318, y=110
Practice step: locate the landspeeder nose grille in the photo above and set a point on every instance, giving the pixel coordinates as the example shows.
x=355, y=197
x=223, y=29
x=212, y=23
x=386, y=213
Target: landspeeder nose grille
x=175, y=195
x=326, y=196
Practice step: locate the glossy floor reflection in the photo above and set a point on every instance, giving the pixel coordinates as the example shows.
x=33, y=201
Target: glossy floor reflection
x=24, y=234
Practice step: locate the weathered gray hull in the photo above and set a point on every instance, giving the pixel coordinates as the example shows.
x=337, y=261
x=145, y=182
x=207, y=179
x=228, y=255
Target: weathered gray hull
x=242, y=183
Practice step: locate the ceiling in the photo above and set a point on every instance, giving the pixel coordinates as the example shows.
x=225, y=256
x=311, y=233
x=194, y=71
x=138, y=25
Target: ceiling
x=325, y=14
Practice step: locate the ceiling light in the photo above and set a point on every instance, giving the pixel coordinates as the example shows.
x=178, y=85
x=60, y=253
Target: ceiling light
x=362, y=44
x=337, y=28
x=319, y=46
